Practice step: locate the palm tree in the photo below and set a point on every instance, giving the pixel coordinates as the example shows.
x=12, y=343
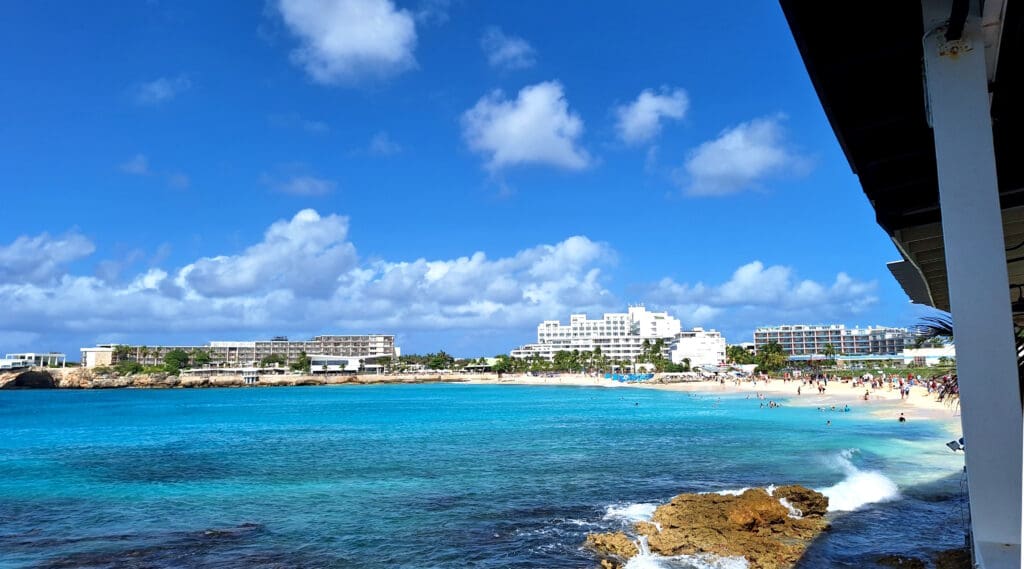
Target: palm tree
x=829, y=351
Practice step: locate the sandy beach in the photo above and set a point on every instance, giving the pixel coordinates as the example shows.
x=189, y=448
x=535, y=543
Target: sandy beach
x=883, y=402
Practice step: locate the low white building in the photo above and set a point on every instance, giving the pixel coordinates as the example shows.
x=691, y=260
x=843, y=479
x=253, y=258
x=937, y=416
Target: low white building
x=619, y=335
x=32, y=359
x=929, y=356
x=701, y=347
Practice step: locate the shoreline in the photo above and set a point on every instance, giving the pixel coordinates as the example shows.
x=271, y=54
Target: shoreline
x=883, y=403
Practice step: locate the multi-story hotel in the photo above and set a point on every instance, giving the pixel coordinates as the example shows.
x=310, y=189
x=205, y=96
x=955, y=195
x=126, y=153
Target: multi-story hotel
x=805, y=340
x=698, y=346
x=619, y=335
x=377, y=347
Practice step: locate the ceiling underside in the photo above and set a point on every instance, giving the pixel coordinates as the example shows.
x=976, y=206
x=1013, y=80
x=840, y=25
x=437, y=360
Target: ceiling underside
x=864, y=58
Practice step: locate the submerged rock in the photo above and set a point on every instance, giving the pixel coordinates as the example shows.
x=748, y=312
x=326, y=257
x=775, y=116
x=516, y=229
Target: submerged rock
x=754, y=525
x=901, y=561
x=953, y=559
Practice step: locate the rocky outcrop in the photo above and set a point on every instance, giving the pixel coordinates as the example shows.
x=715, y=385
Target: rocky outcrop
x=617, y=544
x=82, y=378
x=27, y=380
x=754, y=525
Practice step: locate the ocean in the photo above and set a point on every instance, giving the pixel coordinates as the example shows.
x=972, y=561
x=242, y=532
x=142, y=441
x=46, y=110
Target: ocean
x=437, y=476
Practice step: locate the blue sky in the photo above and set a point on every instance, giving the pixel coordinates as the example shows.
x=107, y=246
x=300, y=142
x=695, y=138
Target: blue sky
x=451, y=172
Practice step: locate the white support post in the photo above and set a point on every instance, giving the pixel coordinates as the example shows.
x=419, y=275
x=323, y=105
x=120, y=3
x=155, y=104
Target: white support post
x=957, y=88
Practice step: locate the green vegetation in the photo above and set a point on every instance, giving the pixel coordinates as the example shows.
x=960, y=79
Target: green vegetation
x=175, y=361
x=126, y=367
x=739, y=355
x=273, y=360
x=771, y=357
x=440, y=360
x=303, y=364
x=200, y=358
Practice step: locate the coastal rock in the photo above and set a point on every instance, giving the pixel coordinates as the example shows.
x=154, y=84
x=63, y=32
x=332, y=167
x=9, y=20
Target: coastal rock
x=28, y=380
x=953, y=559
x=754, y=525
x=809, y=502
x=616, y=545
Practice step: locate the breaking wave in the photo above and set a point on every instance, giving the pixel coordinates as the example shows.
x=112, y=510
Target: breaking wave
x=859, y=487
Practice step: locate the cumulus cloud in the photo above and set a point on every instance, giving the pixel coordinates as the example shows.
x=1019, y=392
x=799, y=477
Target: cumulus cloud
x=342, y=41
x=507, y=52
x=42, y=258
x=160, y=90
x=304, y=274
x=640, y=121
x=536, y=127
x=741, y=158
x=757, y=294
x=303, y=255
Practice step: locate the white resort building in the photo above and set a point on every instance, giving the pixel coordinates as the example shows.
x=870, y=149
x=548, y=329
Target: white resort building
x=369, y=347
x=619, y=335
x=698, y=346
x=807, y=340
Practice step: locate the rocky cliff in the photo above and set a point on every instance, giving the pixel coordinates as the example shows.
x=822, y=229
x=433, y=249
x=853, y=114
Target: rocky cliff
x=80, y=378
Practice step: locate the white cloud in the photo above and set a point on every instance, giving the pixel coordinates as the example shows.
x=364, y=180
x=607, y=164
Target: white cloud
x=304, y=274
x=507, y=52
x=640, y=121
x=138, y=165
x=534, y=128
x=300, y=185
x=303, y=255
x=740, y=159
x=161, y=90
x=41, y=258
x=756, y=295
x=382, y=145
x=343, y=41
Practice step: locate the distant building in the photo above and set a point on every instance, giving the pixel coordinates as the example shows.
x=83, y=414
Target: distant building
x=806, y=340
x=369, y=347
x=701, y=347
x=929, y=356
x=619, y=335
x=32, y=359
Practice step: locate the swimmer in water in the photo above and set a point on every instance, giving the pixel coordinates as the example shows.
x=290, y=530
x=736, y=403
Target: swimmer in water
x=902, y=419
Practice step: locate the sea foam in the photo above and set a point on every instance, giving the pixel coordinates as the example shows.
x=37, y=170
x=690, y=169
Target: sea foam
x=700, y=561
x=640, y=512
x=859, y=488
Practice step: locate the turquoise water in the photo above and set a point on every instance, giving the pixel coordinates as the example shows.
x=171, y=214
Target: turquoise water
x=432, y=475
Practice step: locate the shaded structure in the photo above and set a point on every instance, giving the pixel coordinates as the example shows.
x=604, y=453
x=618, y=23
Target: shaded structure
x=926, y=101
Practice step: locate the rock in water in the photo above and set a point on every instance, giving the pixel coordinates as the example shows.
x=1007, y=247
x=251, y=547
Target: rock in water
x=809, y=502
x=754, y=525
x=617, y=545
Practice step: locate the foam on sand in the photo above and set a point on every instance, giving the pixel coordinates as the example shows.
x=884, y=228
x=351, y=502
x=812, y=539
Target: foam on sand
x=859, y=488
